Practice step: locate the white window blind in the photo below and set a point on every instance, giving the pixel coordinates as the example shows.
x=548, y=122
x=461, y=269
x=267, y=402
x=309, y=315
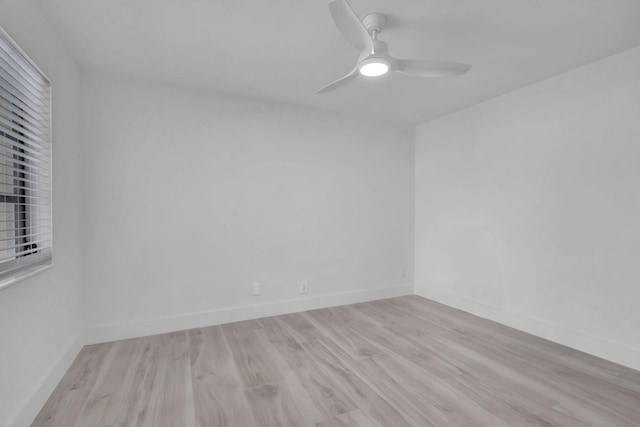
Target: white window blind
x=25, y=162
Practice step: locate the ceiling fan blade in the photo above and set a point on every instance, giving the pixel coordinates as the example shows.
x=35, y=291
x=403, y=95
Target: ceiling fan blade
x=340, y=82
x=427, y=68
x=350, y=25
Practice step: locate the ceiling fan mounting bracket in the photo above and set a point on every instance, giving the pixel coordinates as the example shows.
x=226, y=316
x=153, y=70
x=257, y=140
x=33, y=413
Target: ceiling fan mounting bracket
x=374, y=22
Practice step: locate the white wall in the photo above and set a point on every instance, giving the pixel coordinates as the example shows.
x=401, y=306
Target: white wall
x=528, y=208
x=40, y=317
x=191, y=197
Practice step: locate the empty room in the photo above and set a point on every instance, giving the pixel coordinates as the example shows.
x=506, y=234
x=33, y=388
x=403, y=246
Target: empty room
x=319, y=213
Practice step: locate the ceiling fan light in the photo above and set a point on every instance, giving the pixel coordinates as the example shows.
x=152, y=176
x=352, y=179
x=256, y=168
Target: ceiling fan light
x=374, y=67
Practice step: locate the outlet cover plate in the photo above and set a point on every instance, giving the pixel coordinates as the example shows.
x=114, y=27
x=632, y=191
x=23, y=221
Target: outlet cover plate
x=255, y=289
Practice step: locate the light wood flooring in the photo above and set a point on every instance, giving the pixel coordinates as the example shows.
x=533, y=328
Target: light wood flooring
x=404, y=361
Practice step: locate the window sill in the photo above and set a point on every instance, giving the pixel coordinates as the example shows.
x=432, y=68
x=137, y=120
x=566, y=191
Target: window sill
x=7, y=282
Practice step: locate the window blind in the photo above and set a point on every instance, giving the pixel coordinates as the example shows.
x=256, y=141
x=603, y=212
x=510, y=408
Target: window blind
x=25, y=162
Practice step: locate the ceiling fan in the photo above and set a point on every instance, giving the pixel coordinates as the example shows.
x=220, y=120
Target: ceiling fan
x=374, y=59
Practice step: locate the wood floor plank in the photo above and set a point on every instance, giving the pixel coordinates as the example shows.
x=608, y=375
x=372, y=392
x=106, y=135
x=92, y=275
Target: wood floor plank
x=355, y=418
x=320, y=392
x=274, y=406
x=608, y=371
x=537, y=382
x=120, y=383
x=285, y=343
x=561, y=357
x=441, y=403
x=393, y=392
x=97, y=399
x=302, y=329
x=405, y=361
x=255, y=366
x=327, y=358
x=169, y=401
x=331, y=323
x=71, y=394
x=219, y=398
x=418, y=353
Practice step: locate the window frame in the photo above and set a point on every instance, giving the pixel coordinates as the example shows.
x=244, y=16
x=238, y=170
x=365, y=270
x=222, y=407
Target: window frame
x=18, y=273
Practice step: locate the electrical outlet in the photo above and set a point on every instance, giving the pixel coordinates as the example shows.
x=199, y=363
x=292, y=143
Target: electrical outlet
x=403, y=274
x=255, y=289
x=304, y=287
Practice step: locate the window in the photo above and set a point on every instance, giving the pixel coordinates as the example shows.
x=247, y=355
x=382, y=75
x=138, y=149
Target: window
x=25, y=165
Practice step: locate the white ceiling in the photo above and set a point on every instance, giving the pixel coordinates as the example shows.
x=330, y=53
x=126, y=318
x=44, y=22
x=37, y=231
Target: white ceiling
x=286, y=49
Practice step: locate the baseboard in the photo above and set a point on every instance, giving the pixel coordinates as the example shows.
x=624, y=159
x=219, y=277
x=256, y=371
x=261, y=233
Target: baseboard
x=154, y=326
x=599, y=347
x=30, y=411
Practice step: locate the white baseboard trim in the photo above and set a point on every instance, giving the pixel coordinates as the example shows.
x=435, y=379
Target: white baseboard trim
x=30, y=411
x=153, y=326
x=599, y=347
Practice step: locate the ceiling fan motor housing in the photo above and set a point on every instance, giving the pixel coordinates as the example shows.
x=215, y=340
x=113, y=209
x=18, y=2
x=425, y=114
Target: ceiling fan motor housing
x=374, y=22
